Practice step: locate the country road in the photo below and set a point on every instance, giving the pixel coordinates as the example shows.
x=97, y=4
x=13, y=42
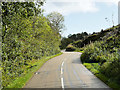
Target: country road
x=64, y=71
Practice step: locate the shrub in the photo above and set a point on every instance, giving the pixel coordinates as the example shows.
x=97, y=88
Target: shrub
x=107, y=54
x=70, y=48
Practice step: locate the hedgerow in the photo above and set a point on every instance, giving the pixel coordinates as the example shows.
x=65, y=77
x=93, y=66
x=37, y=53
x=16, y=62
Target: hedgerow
x=25, y=37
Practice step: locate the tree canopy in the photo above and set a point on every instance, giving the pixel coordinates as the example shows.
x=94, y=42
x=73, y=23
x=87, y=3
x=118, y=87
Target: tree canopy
x=26, y=36
x=72, y=38
x=56, y=21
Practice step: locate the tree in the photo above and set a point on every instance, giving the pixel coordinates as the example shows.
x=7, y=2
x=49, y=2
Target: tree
x=72, y=37
x=56, y=21
x=23, y=9
x=65, y=42
x=26, y=37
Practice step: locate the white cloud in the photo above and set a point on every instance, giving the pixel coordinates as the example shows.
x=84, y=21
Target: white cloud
x=108, y=1
x=66, y=7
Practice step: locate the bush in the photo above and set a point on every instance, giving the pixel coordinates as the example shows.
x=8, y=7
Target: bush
x=84, y=57
x=70, y=48
x=90, y=53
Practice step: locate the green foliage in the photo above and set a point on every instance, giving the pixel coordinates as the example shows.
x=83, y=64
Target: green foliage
x=65, y=42
x=90, y=38
x=107, y=53
x=70, y=48
x=106, y=80
x=79, y=50
x=93, y=67
x=90, y=53
x=102, y=77
x=23, y=79
x=78, y=36
x=77, y=43
x=75, y=39
x=56, y=21
x=26, y=37
x=89, y=66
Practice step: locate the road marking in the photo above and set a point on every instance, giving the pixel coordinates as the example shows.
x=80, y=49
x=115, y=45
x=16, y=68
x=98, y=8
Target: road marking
x=62, y=67
x=62, y=82
x=62, y=63
x=61, y=70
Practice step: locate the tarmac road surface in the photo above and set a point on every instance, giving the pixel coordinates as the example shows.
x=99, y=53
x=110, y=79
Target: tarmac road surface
x=65, y=71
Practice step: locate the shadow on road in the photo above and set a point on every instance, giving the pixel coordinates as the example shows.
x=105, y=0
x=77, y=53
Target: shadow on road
x=77, y=61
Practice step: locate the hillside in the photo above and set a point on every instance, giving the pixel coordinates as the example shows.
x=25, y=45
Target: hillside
x=102, y=56
x=96, y=37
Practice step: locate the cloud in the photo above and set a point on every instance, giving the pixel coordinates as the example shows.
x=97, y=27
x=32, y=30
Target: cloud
x=67, y=7
x=108, y=1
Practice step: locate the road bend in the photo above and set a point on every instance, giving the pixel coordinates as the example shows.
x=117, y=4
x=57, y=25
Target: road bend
x=64, y=71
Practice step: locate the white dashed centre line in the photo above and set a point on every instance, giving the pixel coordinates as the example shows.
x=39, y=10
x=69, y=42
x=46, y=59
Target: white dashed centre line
x=62, y=82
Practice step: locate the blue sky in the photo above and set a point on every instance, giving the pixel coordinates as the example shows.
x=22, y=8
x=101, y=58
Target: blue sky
x=84, y=15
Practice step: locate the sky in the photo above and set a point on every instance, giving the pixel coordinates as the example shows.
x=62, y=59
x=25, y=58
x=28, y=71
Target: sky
x=119, y=13
x=84, y=15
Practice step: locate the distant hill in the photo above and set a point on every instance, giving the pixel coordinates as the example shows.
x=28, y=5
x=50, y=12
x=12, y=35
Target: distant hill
x=104, y=34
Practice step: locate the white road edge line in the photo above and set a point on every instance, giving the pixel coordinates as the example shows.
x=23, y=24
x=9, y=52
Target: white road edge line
x=62, y=82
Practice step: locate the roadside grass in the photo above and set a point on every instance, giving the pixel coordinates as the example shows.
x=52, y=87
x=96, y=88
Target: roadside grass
x=79, y=50
x=94, y=68
x=105, y=79
x=23, y=79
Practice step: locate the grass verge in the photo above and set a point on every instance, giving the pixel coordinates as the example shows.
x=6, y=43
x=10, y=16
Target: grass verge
x=95, y=69
x=79, y=50
x=105, y=79
x=23, y=79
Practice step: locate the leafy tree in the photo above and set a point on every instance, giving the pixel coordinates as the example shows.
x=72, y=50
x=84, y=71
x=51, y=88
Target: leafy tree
x=65, y=42
x=56, y=21
x=75, y=39
x=12, y=9
x=26, y=36
x=78, y=36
